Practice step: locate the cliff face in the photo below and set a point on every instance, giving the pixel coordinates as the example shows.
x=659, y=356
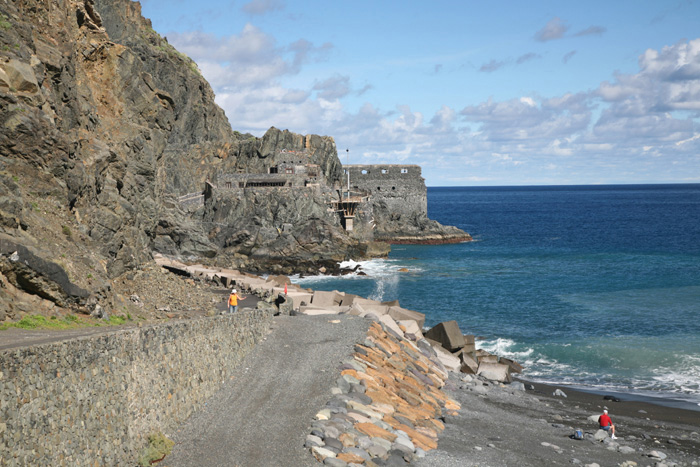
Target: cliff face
x=104, y=126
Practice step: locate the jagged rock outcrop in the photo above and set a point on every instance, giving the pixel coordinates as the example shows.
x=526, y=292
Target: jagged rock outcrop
x=104, y=125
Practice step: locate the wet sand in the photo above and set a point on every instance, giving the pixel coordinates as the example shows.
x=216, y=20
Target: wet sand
x=502, y=426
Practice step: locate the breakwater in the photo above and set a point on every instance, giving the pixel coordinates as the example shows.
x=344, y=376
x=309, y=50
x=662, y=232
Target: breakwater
x=94, y=400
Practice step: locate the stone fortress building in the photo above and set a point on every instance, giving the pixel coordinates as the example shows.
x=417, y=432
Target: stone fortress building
x=393, y=191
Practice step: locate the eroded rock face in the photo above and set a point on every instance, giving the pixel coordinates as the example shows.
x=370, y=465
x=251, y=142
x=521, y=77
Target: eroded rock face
x=104, y=126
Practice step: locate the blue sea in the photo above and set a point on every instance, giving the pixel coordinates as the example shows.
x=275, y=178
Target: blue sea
x=596, y=287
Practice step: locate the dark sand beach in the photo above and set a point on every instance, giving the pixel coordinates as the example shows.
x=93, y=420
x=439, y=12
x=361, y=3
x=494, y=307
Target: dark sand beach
x=263, y=415
x=499, y=425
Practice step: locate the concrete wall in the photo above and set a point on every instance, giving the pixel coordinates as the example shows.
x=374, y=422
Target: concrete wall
x=93, y=401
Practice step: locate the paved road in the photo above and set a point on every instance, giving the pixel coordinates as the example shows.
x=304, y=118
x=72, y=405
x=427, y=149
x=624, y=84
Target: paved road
x=262, y=416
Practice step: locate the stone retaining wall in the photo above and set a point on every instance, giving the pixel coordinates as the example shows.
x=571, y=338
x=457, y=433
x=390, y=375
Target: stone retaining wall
x=93, y=401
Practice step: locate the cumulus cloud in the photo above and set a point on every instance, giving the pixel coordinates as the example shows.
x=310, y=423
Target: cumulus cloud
x=261, y=7
x=250, y=58
x=646, y=114
x=554, y=29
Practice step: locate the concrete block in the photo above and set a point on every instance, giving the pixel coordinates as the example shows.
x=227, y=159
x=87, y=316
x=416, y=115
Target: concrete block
x=515, y=367
x=495, y=372
x=349, y=299
x=412, y=332
x=357, y=310
x=488, y=359
x=469, y=339
x=365, y=302
x=399, y=313
x=391, y=303
x=299, y=297
x=410, y=325
x=448, y=360
x=313, y=311
x=469, y=364
x=447, y=334
x=376, y=309
x=323, y=298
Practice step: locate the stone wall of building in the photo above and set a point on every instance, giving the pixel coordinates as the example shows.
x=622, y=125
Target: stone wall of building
x=94, y=401
x=396, y=190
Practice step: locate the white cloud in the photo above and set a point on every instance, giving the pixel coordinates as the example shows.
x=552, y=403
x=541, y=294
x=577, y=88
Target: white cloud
x=261, y=7
x=650, y=114
x=554, y=29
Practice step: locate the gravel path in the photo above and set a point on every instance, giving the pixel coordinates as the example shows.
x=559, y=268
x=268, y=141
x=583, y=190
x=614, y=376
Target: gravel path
x=262, y=416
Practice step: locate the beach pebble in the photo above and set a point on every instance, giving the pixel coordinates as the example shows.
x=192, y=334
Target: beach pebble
x=517, y=386
x=592, y=465
x=656, y=455
x=673, y=441
x=559, y=393
x=333, y=462
x=575, y=461
x=600, y=435
x=626, y=449
x=322, y=453
x=312, y=441
x=642, y=411
x=478, y=448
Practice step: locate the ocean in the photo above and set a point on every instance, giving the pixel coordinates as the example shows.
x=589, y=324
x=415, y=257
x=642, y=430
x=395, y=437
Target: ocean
x=594, y=287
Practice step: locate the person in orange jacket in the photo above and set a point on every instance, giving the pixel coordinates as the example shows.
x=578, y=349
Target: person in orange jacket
x=233, y=301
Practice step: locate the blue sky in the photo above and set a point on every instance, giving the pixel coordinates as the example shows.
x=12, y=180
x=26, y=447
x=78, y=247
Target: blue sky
x=477, y=93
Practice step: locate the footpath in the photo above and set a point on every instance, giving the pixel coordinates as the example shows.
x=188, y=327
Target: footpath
x=261, y=416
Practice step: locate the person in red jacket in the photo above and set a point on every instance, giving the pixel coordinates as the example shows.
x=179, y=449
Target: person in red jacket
x=606, y=424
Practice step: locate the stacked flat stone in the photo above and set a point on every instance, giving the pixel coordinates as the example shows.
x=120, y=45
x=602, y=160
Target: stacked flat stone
x=387, y=406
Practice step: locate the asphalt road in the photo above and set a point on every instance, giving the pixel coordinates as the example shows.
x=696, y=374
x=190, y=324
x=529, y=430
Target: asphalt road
x=262, y=416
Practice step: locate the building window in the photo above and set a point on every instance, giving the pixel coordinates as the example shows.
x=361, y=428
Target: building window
x=228, y=184
x=289, y=170
x=404, y=171
x=273, y=170
x=365, y=171
x=379, y=188
x=393, y=187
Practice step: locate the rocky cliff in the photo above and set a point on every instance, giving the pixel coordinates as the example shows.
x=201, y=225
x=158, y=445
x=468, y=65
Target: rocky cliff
x=104, y=125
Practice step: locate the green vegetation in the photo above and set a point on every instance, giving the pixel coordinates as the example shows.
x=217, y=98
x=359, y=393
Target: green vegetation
x=67, y=322
x=40, y=322
x=66, y=231
x=4, y=22
x=159, y=446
